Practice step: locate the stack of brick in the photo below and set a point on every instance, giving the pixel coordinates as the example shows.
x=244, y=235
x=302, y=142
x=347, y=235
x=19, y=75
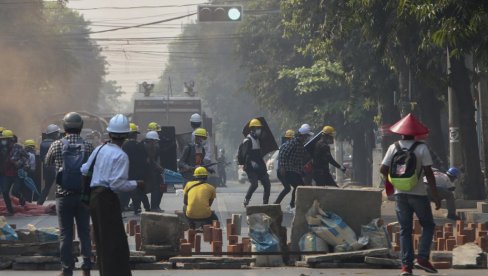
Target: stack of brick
x=213, y=235
x=446, y=237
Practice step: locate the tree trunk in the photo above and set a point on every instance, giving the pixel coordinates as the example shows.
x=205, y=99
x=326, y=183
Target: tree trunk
x=473, y=186
x=430, y=111
x=362, y=157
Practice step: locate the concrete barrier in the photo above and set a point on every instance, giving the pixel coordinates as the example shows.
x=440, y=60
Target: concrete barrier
x=357, y=206
x=160, y=229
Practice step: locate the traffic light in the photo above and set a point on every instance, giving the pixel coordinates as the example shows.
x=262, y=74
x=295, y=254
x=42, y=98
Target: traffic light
x=219, y=13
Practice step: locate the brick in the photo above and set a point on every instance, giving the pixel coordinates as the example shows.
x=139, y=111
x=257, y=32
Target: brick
x=216, y=234
x=417, y=229
x=441, y=265
x=470, y=235
x=482, y=207
x=131, y=224
x=448, y=235
x=472, y=225
x=460, y=240
x=483, y=243
x=448, y=227
x=441, y=244
x=482, y=227
x=232, y=248
x=459, y=227
x=228, y=221
x=191, y=237
x=183, y=241
x=185, y=249
x=450, y=244
x=137, y=237
x=233, y=239
x=239, y=247
x=137, y=229
x=246, y=244
x=237, y=221
x=198, y=243
x=217, y=248
x=438, y=234
x=216, y=224
x=207, y=233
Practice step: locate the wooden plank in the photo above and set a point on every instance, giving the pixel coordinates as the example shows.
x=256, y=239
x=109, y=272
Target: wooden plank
x=211, y=260
x=346, y=255
x=383, y=262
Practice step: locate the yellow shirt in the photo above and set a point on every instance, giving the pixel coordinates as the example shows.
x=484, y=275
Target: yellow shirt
x=199, y=200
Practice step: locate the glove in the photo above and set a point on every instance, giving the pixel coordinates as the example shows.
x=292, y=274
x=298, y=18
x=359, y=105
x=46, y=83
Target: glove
x=254, y=165
x=343, y=169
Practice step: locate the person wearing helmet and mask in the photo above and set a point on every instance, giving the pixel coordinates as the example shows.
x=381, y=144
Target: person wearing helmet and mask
x=254, y=165
x=445, y=183
x=193, y=154
x=198, y=199
x=322, y=158
x=222, y=162
x=137, y=167
x=153, y=178
x=195, y=123
x=68, y=201
x=30, y=148
x=405, y=173
x=48, y=171
x=12, y=158
x=110, y=165
x=291, y=159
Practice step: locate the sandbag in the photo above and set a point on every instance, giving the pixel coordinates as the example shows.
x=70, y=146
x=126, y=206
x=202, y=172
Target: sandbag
x=376, y=234
x=263, y=240
x=7, y=233
x=310, y=242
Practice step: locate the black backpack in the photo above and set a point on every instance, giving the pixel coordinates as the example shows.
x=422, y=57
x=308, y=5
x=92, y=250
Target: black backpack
x=403, y=172
x=241, y=159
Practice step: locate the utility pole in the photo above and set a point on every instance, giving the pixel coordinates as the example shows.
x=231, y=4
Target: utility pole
x=483, y=111
x=455, y=159
x=339, y=153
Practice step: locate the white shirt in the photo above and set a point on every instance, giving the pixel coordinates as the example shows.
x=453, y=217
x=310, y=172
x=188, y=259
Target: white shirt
x=111, y=169
x=423, y=159
x=442, y=180
x=32, y=161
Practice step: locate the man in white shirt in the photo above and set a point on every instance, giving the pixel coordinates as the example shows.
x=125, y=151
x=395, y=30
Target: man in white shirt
x=415, y=199
x=110, y=174
x=445, y=189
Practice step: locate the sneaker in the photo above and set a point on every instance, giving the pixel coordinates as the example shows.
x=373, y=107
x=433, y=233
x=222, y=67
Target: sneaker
x=406, y=271
x=425, y=265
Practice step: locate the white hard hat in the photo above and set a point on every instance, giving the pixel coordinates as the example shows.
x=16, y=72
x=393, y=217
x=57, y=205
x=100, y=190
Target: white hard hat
x=52, y=128
x=196, y=118
x=153, y=135
x=305, y=129
x=119, y=124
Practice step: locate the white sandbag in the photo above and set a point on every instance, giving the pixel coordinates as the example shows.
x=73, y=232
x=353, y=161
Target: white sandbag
x=376, y=234
x=310, y=242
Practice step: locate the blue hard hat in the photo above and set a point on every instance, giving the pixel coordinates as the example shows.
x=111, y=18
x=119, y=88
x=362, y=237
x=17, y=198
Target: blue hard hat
x=453, y=171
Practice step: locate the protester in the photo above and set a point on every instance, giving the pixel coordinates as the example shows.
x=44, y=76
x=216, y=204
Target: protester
x=291, y=160
x=222, y=163
x=445, y=189
x=110, y=176
x=48, y=171
x=68, y=154
x=254, y=165
x=154, y=178
x=196, y=123
x=322, y=158
x=405, y=173
x=198, y=199
x=193, y=154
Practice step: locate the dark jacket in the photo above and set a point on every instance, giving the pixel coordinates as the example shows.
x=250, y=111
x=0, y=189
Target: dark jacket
x=322, y=156
x=187, y=162
x=253, y=155
x=138, y=163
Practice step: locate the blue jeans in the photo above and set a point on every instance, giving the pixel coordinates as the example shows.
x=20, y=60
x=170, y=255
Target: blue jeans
x=406, y=205
x=70, y=208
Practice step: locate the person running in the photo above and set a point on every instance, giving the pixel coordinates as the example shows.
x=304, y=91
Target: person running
x=48, y=171
x=322, y=158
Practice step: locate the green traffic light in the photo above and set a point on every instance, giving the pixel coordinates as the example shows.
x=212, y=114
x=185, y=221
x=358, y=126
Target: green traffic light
x=234, y=14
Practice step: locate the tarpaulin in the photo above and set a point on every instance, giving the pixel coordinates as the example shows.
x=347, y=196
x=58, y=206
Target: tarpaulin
x=29, y=209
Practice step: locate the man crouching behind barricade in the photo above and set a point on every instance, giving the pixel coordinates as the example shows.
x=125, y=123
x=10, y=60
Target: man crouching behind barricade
x=199, y=196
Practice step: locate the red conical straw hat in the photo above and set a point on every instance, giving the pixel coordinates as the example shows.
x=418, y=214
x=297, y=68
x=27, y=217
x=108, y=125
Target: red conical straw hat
x=409, y=125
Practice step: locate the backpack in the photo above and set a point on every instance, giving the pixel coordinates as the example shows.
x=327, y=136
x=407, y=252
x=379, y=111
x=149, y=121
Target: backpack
x=73, y=157
x=241, y=159
x=403, y=170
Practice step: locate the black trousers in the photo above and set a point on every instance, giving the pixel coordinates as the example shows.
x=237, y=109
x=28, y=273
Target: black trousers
x=323, y=178
x=49, y=177
x=110, y=236
x=253, y=179
x=290, y=179
x=193, y=223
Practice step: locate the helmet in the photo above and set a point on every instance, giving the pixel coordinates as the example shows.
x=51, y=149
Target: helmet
x=453, y=171
x=201, y=132
x=30, y=143
x=52, y=128
x=328, y=130
x=196, y=118
x=133, y=127
x=7, y=134
x=305, y=129
x=152, y=135
x=118, y=124
x=72, y=121
x=289, y=133
x=153, y=126
x=255, y=123
x=200, y=172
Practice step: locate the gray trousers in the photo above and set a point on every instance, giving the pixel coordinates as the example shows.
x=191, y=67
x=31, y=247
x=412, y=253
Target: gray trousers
x=444, y=193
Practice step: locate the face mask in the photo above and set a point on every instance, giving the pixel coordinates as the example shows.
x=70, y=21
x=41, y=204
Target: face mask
x=258, y=132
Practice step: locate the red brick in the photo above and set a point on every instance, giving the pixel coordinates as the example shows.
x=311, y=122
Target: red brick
x=185, y=249
x=232, y=248
x=137, y=237
x=228, y=221
x=483, y=243
x=447, y=235
x=438, y=234
x=216, y=234
x=441, y=244
x=132, y=227
x=216, y=224
x=191, y=237
x=246, y=244
x=217, y=248
x=472, y=225
x=137, y=229
x=470, y=235
x=198, y=243
x=482, y=227
x=233, y=239
x=207, y=233
x=450, y=244
x=460, y=240
x=448, y=227
x=459, y=227
x=441, y=265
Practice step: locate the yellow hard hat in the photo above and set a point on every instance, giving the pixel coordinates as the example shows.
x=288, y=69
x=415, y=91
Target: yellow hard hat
x=255, y=123
x=200, y=172
x=133, y=128
x=201, y=132
x=328, y=130
x=153, y=126
x=7, y=133
x=30, y=143
x=289, y=133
